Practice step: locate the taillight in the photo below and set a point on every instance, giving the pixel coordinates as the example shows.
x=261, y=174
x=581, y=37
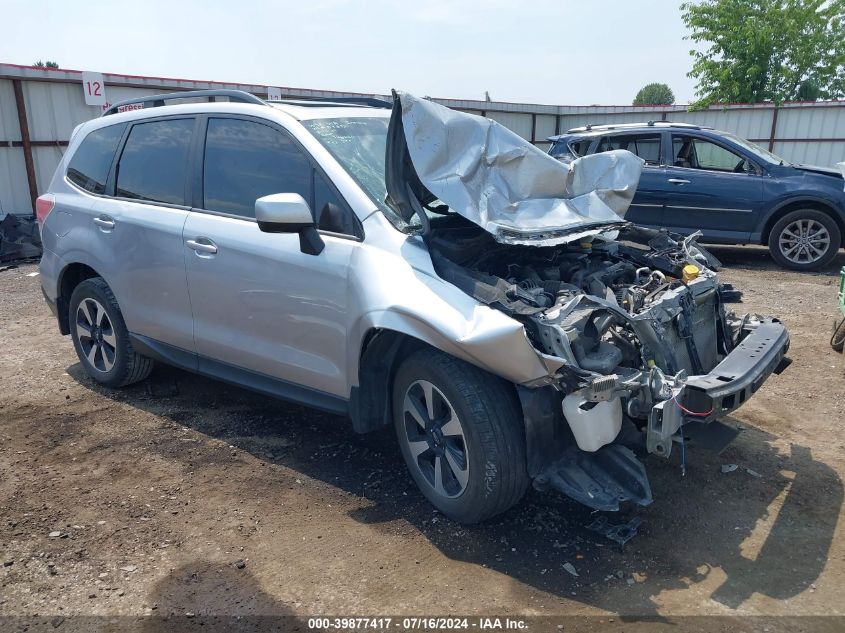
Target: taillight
x=43, y=205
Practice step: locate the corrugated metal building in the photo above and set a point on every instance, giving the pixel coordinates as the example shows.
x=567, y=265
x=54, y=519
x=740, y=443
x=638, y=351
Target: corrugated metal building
x=40, y=107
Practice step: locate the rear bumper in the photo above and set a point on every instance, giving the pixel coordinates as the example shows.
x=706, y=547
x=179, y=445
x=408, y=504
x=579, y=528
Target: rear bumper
x=740, y=374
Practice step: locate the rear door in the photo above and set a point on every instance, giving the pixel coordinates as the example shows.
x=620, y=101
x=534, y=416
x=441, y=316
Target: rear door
x=712, y=187
x=259, y=303
x=137, y=230
x=647, y=207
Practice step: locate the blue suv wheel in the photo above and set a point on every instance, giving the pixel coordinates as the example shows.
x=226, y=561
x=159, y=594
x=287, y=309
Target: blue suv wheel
x=805, y=239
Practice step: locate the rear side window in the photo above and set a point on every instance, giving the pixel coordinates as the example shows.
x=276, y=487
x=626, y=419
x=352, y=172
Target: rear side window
x=646, y=146
x=244, y=161
x=154, y=161
x=89, y=166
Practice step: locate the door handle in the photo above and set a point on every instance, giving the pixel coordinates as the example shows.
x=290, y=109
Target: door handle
x=104, y=222
x=202, y=245
x=678, y=181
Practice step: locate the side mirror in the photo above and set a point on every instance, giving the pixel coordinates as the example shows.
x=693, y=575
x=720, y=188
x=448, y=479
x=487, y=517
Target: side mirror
x=289, y=213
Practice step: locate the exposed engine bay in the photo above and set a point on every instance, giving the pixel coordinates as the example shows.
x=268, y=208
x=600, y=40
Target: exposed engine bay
x=633, y=318
x=630, y=322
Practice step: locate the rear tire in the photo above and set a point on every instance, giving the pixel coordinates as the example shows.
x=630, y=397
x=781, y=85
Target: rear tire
x=100, y=336
x=805, y=239
x=453, y=417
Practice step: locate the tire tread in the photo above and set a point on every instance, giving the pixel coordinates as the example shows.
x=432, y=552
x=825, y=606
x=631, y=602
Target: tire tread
x=137, y=367
x=496, y=415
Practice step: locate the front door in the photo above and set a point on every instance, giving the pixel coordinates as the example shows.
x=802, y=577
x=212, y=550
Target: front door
x=259, y=303
x=711, y=188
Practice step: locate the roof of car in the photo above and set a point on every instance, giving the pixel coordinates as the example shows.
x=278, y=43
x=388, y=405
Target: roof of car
x=300, y=108
x=595, y=129
x=303, y=111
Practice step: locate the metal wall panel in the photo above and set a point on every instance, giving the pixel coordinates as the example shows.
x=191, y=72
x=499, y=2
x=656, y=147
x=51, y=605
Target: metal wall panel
x=516, y=122
x=819, y=153
x=814, y=122
x=14, y=190
x=8, y=113
x=545, y=127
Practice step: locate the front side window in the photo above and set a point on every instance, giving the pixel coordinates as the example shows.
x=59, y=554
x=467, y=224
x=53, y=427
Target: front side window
x=89, y=166
x=696, y=153
x=570, y=150
x=646, y=146
x=244, y=161
x=580, y=146
x=154, y=161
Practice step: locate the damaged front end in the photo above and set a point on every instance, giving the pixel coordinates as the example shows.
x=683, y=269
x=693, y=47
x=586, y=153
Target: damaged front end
x=633, y=318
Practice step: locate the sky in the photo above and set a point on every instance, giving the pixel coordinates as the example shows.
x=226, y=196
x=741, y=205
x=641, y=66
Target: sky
x=580, y=52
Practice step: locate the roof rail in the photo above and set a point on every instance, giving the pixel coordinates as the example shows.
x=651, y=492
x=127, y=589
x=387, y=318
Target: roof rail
x=155, y=101
x=593, y=127
x=371, y=102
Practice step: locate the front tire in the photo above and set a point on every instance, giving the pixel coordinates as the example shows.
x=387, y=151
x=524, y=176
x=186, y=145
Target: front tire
x=805, y=239
x=460, y=432
x=100, y=336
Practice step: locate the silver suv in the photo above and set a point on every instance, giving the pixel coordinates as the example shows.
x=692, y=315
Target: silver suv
x=401, y=264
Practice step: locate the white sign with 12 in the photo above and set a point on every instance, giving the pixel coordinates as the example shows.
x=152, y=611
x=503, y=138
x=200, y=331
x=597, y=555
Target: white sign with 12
x=94, y=88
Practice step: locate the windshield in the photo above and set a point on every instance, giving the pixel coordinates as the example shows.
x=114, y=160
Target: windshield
x=758, y=151
x=358, y=144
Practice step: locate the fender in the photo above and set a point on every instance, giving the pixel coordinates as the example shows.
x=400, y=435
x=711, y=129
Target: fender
x=494, y=342
x=817, y=199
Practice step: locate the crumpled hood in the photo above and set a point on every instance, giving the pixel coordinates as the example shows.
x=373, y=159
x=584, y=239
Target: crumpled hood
x=839, y=172
x=500, y=181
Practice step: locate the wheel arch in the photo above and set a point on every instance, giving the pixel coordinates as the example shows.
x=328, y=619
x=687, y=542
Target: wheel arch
x=789, y=206
x=71, y=276
x=382, y=351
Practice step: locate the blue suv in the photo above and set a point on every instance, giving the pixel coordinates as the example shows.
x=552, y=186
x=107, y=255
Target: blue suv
x=733, y=191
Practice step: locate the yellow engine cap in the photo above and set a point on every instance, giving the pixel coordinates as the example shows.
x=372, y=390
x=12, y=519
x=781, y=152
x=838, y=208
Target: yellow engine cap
x=690, y=272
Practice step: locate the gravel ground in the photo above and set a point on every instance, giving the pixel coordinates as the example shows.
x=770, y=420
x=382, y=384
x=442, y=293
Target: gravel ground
x=183, y=495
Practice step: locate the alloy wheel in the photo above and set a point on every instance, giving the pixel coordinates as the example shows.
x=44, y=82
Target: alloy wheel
x=435, y=437
x=804, y=241
x=96, y=335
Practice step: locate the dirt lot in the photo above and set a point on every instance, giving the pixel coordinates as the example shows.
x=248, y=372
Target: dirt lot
x=182, y=495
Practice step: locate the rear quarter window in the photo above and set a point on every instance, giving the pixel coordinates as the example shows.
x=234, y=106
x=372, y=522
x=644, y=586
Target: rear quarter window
x=89, y=165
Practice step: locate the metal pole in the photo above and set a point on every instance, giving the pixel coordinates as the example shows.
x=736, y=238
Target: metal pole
x=774, y=128
x=26, y=144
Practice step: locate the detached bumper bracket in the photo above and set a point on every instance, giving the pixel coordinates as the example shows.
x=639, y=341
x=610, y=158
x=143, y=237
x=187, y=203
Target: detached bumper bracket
x=741, y=373
x=600, y=480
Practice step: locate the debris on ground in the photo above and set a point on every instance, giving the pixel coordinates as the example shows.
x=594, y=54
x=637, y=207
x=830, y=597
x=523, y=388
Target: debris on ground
x=729, y=468
x=569, y=567
x=620, y=534
x=20, y=239
x=753, y=473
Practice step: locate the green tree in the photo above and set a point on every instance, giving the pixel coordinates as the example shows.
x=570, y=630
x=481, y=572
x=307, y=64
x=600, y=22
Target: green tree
x=655, y=94
x=766, y=50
